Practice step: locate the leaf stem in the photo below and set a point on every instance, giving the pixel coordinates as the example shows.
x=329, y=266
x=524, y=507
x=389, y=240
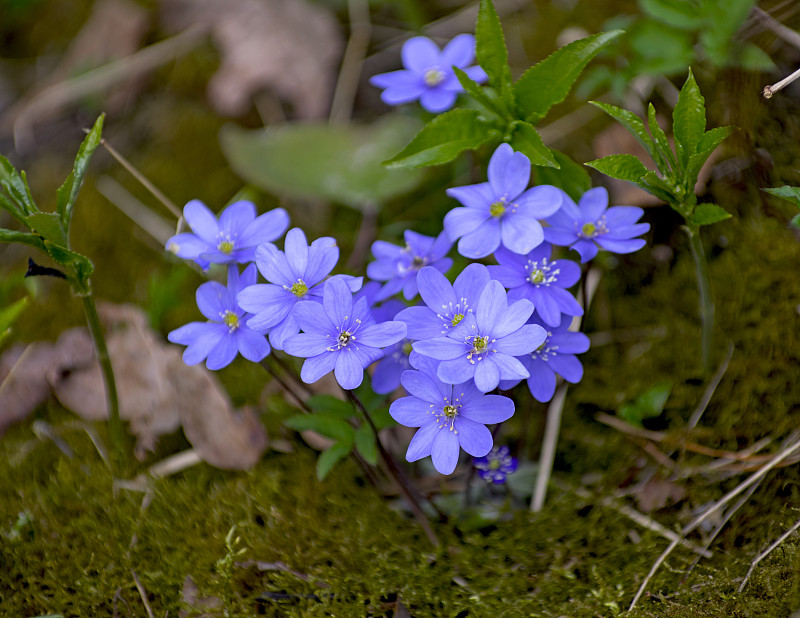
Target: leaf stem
x=704, y=287
x=116, y=430
x=403, y=482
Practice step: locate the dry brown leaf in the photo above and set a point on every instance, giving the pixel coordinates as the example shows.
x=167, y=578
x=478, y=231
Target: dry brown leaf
x=157, y=392
x=291, y=46
x=24, y=386
x=656, y=493
x=190, y=596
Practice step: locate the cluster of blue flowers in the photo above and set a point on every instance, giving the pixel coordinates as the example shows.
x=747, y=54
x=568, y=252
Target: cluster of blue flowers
x=491, y=328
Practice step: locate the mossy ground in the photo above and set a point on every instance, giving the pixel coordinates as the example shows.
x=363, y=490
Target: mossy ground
x=577, y=557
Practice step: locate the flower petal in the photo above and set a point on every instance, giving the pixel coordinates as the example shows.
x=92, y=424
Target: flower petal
x=269, y=303
x=523, y=341
x=512, y=319
x=213, y=300
x=382, y=335
x=521, y=233
x=421, y=323
x=322, y=257
x=459, y=52
x=437, y=100
x=441, y=348
x=593, y=203
x=337, y=300
x=542, y=383
x=235, y=218
x=419, y=54
x=445, y=451
x=488, y=409
x=481, y=241
x=272, y=264
x=567, y=366
x=470, y=283
x=222, y=354
x=455, y=371
x=265, y=228
x=621, y=246
x=422, y=442
x=251, y=345
x=202, y=221
x=306, y=345
x=487, y=374
x=435, y=289
x=425, y=387
x=411, y=412
x=474, y=438
x=296, y=249
x=317, y=366
x=491, y=306
x=509, y=172
x=348, y=370
x=312, y=318
x=187, y=246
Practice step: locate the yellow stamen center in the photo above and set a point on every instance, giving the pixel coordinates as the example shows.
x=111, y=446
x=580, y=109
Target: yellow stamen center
x=497, y=209
x=537, y=276
x=588, y=230
x=225, y=247
x=231, y=320
x=299, y=288
x=433, y=77
x=450, y=411
x=457, y=318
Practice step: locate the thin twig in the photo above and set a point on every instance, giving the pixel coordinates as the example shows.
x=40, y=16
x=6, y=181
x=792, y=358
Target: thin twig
x=710, y=511
x=549, y=442
x=639, y=518
x=142, y=594
x=143, y=180
x=352, y=61
x=767, y=552
x=712, y=386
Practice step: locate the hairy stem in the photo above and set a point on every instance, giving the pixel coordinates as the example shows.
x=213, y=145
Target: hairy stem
x=406, y=488
x=704, y=287
x=117, y=432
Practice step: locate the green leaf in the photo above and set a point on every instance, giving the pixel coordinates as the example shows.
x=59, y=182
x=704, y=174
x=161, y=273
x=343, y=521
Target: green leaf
x=648, y=405
x=655, y=185
x=526, y=140
x=662, y=144
x=491, y=52
x=570, y=177
x=795, y=222
x=786, y=192
x=479, y=94
x=66, y=201
x=79, y=267
x=328, y=458
x=444, y=138
x=548, y=82
x=632, y=122
x=22, y=237
x=21, y=203
x=382, y=418
x=336, y=163
x=659, y=49
x=713, y=138
x=620, y=166
x=688, y=120
x=677, y=13
x=328, y=426
x=366, y=445
x=9, y=314
x=706, y=214
x=330, y=406
x=48, y=226
x=752, y=58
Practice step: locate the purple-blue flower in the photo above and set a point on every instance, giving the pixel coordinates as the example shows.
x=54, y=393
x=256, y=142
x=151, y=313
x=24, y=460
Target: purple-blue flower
x=398, y=266
x=339, y=336
x=428, y=74
x=496, y=465
x=226, y=333
x=449, y=417
x=555, y=356
x=591, y=224
x=501, y=211
x=233, y=238
x=294, y=276
x=539, y=279
x=447, y=304
x=483, y=345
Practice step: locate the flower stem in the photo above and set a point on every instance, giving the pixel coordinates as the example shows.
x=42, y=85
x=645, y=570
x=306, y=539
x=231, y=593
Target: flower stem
x=116, y=430
x=704, y=287
x=406, y=488
x=266, y=365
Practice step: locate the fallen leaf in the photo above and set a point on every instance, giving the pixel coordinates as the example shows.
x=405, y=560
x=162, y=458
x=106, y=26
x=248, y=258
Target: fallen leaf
x=291, y=46
x=197, y=604
x=656, y=493
x=24, y=386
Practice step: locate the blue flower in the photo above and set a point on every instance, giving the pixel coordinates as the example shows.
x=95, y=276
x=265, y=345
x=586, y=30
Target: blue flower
x=483, y=346
x=541, y=280
x=501, y=211
x=449, y=418
x=294, y=277
x=428, y=74
x=233, y=238
x=591, y=225
x=339, y=336
x=496, y=465
x=556, y=355
x=226, y=333
x=398, y=266
x=447, y=304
